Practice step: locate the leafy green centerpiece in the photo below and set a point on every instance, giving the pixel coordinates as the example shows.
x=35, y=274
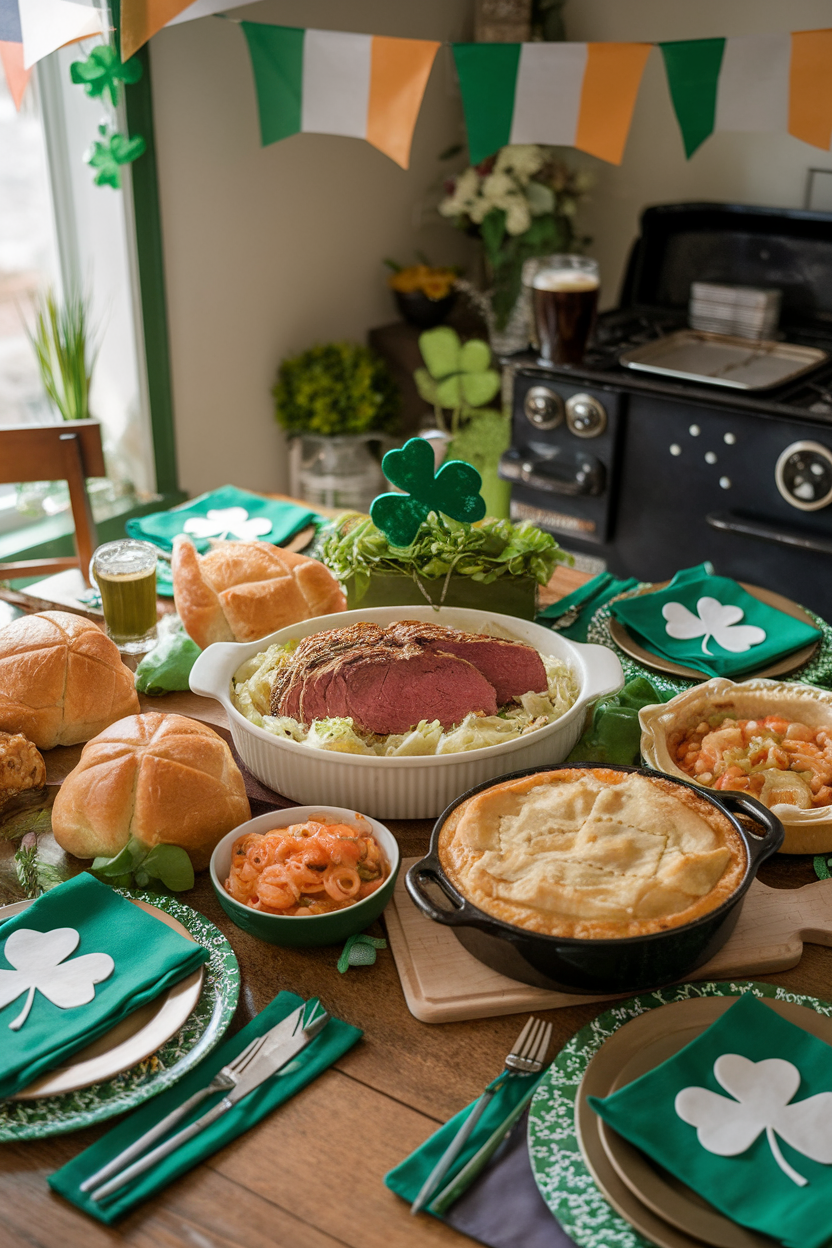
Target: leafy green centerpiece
x=431, y=544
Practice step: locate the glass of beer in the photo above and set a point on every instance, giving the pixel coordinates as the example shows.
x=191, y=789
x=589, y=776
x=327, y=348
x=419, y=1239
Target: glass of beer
x=125, y=573
x=565, y=299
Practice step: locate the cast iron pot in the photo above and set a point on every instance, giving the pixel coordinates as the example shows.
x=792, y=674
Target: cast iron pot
x=569, y=964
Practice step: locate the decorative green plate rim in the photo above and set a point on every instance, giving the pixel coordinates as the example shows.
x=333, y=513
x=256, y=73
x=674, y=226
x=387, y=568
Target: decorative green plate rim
x=55, y=1115
x=561, y=1174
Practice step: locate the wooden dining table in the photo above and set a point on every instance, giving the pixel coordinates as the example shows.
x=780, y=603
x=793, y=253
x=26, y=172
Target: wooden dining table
x=311, y=1174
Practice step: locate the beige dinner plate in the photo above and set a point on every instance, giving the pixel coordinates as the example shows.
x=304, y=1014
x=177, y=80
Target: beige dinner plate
x=130, y=1041
x=626, y=642
x=653, y=1201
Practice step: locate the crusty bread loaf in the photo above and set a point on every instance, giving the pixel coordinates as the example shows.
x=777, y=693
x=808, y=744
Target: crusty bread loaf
x=241, y=591
x=164, y=779
x=61, y=679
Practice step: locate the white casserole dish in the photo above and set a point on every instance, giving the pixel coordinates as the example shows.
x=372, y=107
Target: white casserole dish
x=417, y=787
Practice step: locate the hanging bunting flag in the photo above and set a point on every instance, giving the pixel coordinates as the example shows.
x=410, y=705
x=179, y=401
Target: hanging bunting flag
x=140, y=19
x=773, y=84
x=11, y=58
x=325, y=82
x=47, y=25
x=576, y=94
x=810, y=89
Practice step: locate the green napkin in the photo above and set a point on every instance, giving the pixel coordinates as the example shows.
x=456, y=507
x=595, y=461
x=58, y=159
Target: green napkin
x=587, y=599
x=780, y=1112
x=147, y=955
x=407, y=1178
x=614, y=736
x=711, y=624
x=166, y=667
x=335, y=1039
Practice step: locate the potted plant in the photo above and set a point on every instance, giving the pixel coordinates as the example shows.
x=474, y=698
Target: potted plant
x=424, y=294
x=521, y=204
x=458, y=382
x=334, y=400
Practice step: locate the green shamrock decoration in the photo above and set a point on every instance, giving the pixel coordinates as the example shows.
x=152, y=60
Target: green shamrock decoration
x=107, y=157
x=102, y=72
x=454, y=491
x=457, y=374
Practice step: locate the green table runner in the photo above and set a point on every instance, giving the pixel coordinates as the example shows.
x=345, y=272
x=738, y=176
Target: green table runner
x=743, y=1115
x=74, y=964
x=335, y=1039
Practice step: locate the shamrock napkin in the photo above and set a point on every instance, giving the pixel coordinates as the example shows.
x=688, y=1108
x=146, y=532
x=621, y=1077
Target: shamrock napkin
x=585, y=601
x=330, y=1044
x=72, y=965
x=711, y=624
x=743, y=1115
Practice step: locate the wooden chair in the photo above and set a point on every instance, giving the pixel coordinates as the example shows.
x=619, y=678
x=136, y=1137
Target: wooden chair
x=71, y=452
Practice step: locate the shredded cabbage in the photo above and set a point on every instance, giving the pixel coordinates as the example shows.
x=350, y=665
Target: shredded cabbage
x=251, y=693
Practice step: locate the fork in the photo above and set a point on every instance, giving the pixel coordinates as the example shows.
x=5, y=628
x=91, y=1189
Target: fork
x=526, y=1058
x=224, y=1079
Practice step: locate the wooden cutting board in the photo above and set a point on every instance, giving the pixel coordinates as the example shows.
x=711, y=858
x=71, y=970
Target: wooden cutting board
x=443, y=983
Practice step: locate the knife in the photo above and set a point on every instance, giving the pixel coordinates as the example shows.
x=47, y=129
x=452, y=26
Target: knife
x=283, y=1043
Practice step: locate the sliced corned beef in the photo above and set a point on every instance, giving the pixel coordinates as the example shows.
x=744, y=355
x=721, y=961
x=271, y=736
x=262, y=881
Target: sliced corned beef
x=512, y=667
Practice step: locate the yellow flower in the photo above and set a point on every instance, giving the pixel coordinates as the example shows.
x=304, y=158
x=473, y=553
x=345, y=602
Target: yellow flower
x=435, y=283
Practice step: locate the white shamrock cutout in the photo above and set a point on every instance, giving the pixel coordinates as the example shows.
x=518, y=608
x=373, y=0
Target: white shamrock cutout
x=229, y=520
x=763, y=1091
x=39, y=961
x=714, y=620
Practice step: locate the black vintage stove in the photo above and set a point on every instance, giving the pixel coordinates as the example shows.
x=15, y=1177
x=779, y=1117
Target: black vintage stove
x=650, y=474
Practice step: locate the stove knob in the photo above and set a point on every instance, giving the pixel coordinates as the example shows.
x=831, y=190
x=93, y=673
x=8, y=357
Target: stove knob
x=804, y=475
x=543, y=407
x=585, y=416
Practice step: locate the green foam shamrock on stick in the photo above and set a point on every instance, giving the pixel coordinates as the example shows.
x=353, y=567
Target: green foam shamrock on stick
x=454, y=490
x=109, y=153
x=103, y=72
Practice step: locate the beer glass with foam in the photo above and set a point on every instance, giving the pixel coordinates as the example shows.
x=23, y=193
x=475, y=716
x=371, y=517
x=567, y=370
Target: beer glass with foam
x=565, y=299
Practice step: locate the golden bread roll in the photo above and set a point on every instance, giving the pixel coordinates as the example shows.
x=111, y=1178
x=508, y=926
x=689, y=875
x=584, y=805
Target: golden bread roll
x=21, y=766
x=241, y=591
x=61, y=679
x=164, y=779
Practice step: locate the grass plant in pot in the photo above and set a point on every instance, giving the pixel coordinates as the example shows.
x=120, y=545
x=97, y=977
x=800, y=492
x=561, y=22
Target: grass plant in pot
x=337, y=399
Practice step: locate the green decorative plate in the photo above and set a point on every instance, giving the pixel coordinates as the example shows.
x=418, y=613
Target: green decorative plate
x=54, y=1115
x=559, y=1170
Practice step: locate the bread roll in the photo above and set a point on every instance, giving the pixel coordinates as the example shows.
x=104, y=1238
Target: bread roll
x=61, y=679
x=164, y=779
x=241, y=591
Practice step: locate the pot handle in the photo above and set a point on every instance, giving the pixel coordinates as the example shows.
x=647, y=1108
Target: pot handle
x=761, y=846
x=425, y=872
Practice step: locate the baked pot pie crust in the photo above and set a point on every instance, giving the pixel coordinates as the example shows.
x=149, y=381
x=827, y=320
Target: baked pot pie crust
x=592, y=854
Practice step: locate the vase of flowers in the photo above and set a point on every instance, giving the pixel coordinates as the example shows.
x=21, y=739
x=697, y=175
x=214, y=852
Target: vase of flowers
x=335, y=402
x=424, y=294
x=521, y=203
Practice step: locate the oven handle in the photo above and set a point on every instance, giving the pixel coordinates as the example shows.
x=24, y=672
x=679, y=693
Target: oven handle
x=727, y=522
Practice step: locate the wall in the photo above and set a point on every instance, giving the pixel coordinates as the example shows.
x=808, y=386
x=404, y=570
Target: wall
x=269, y=250
x=745, y=168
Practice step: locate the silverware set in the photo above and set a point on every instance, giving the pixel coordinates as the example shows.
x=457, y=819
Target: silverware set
x=527, y=1057
x=265, y=1056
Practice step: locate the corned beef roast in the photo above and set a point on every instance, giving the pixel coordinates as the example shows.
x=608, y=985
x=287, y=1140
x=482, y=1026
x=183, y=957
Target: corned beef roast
x=387, y=679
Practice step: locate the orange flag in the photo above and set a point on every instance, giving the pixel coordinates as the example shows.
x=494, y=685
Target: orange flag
x=11, y=57
x=142, y=18
x=810, y=87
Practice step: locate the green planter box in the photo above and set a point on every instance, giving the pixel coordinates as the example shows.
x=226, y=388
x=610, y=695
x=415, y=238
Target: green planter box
x=510, y=595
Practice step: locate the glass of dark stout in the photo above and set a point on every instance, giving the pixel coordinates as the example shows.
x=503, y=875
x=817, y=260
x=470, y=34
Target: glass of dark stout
x=565, y=299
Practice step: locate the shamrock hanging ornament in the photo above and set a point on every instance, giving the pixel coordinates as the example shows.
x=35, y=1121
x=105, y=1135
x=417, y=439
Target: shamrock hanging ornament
x=714, y=619
x=454, y=491
x=38, y=959
x=109, y=153
x=103, y=73
x=762, y=1092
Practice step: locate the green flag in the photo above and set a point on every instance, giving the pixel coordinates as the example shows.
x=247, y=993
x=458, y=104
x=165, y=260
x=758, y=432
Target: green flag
x=487, y=78
x=692, y=67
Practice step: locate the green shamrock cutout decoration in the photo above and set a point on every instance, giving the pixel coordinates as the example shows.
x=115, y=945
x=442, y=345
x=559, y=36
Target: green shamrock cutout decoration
x=102, y=72
x=457, y=374
x=108, y=156
x=454, y=491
